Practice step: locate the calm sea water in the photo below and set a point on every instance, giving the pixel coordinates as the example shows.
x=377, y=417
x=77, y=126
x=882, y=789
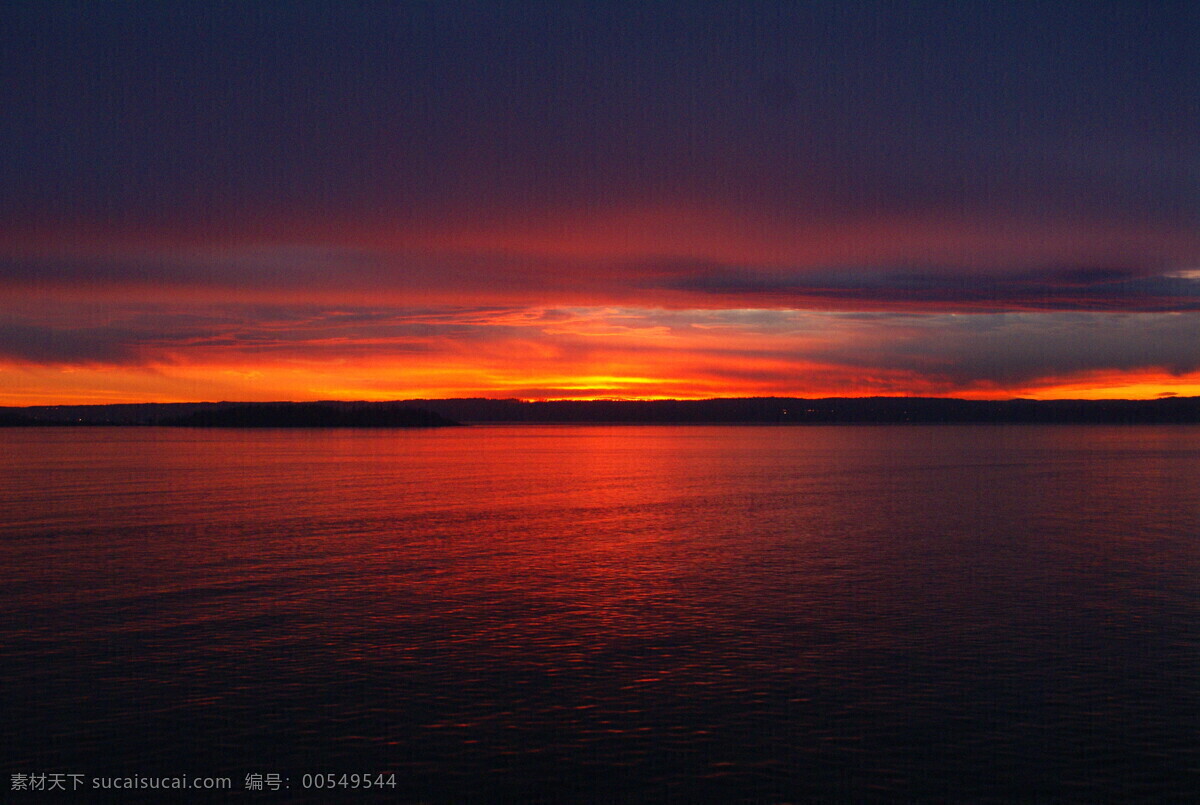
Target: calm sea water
x=593, y=613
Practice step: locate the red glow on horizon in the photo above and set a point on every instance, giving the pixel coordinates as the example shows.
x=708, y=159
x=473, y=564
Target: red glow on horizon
x=491, y=308
x=49, y=386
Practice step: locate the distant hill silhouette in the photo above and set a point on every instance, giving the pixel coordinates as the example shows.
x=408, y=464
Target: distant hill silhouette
x=833, y=410
x=311, y=415
x=9, y=419
x=749, y=410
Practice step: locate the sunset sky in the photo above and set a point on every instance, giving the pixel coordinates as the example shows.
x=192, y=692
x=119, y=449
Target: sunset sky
x=296, y=201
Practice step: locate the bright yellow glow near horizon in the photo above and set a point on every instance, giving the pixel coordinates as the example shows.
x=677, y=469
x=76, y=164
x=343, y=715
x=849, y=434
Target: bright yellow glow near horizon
x=22, y=386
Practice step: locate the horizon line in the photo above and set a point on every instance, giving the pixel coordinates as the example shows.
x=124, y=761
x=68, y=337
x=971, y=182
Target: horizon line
x=536, y=401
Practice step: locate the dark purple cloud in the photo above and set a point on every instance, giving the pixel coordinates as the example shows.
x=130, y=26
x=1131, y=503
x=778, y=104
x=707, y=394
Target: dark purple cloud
x=204, y=114
x=1048, y=289
x=603, y=190
x=357, y=275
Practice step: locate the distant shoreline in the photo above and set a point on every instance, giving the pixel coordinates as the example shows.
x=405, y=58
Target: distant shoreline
x=748, y=410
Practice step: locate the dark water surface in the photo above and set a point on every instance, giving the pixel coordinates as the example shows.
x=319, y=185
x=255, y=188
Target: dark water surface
x=587, y=613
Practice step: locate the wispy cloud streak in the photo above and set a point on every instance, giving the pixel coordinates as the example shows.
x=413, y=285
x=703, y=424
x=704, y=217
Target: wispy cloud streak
x=611, y=351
